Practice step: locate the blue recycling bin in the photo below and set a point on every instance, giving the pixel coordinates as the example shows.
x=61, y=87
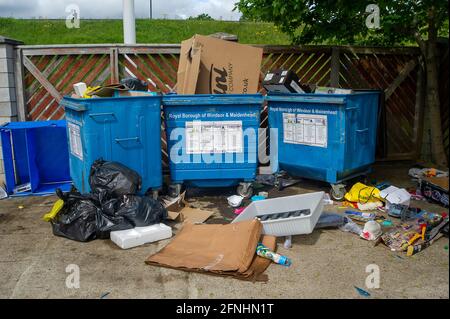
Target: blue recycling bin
x=326, y=137
x=213, y=139
x=36, y=157
x=121, y=129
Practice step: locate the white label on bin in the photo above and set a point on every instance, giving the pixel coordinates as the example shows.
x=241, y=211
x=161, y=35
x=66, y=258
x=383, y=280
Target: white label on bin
x=214, y=137
x=76, y=148
x=306, y=129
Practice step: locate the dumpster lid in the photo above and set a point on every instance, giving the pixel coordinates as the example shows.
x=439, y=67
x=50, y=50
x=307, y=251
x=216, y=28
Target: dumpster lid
x=212, y=99
x=308, y=98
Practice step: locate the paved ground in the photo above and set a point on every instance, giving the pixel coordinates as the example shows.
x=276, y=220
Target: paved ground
x=326, y=264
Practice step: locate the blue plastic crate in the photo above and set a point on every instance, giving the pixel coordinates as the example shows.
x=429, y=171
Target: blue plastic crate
x=36, y=153
x=213, y=163
x=326, y=137
x=121, y=129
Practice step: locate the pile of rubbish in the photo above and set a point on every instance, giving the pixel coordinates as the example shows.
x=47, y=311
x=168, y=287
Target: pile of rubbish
x=112, y=205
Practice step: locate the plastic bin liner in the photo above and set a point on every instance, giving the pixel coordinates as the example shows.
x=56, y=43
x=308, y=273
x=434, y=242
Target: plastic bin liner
x=113, y=179
x=77, y=220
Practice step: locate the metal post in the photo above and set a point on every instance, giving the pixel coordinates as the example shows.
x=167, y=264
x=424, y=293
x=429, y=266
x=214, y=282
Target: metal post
x=151, y=9
x=129, y=27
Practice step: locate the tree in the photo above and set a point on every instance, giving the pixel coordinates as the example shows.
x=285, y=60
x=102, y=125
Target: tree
x=203, y=17
x=343, y=21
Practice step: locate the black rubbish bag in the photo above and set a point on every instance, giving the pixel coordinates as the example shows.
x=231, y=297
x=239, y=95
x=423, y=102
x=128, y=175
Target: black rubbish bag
x=112, y=179
x=108, y=220
x=77, y=220
x=134, y=84
x=141, y=211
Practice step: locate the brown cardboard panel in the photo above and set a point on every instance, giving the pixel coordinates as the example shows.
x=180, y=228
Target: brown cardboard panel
x=442, y=182
x=221, y=67
x=215, y=248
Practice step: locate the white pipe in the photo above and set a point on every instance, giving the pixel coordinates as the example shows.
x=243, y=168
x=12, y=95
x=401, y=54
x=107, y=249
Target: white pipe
x=129, y=27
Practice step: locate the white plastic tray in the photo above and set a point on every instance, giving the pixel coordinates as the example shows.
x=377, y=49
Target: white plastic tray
x=286, y=226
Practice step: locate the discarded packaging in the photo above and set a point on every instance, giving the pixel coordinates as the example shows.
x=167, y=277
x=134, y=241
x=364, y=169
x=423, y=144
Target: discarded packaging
x=395, y=195
x=371, y=231
x=130, y=238
x=235, y=200
x=288, y=215
x=361, y=193
x=80, y=88
x=282, y=81
x=212, y=66
x=227, y=250
x=179, y=210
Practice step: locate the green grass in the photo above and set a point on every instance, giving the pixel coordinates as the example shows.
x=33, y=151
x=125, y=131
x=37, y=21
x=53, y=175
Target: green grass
x=32, y=31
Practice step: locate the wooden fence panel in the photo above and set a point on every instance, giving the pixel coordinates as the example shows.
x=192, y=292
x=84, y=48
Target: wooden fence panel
x=50, y=72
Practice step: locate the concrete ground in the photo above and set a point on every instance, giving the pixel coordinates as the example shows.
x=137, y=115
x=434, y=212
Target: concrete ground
x=325, y=264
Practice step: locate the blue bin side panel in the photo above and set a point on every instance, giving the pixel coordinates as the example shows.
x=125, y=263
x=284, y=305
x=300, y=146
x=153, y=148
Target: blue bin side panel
x=351, y=134
x=125, y=130
x=212, y=169
x=40, y=155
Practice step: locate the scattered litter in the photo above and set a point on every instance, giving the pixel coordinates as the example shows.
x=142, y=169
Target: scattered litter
x=362, y=292
x=327, y=220
x=104, y=295
x=239, y=210
x=179, y=210
x=426, y=172
x=57, y=206
x=20, y=207
x=351, y=226
x=263, y=194
x=235, y=200
x=287, y=242
x=371, y=231
x=140, y=235
x=111, y=206
x=257, y=197
x=361, y=193
x=327, y=199
x=3, y=193
x=265, y=252
x=395, y=195
x=446, y=247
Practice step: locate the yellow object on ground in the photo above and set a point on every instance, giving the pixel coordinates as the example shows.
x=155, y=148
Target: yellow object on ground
x=55, y=210
x=361, y=193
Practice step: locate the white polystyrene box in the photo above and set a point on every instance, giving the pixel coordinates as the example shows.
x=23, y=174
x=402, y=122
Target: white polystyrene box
x=140, y=235
x=286, y=226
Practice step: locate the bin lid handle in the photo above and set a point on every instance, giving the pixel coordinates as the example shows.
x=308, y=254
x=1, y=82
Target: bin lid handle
x=78, y=107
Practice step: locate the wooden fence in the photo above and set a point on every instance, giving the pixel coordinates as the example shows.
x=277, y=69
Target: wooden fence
x=48, y=73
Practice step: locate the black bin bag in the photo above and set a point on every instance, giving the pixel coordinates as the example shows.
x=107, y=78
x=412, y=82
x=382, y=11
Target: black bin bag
x=140, y=211
x=112, y=179
x=77, y=219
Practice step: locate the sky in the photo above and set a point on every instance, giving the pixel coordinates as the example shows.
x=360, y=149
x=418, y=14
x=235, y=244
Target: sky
x=97, y=9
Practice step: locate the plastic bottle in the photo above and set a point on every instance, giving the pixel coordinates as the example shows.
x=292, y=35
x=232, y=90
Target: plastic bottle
x=263, y=251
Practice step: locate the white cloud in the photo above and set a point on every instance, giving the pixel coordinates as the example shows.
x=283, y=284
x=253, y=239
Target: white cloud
x=97, y=9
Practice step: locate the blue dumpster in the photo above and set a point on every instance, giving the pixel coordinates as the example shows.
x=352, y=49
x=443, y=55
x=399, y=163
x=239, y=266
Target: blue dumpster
x=121, y=129
x=36, y=157
x=213, y=139
x=326, y=137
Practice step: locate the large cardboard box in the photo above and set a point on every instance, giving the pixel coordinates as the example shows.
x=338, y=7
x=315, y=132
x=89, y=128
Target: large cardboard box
x=213, y=66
